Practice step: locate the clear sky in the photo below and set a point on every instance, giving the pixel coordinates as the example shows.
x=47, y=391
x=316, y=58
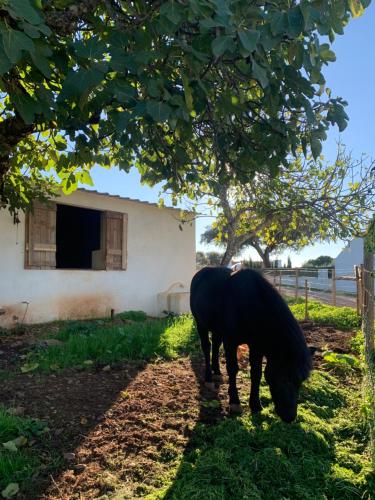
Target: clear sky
x=352, y=77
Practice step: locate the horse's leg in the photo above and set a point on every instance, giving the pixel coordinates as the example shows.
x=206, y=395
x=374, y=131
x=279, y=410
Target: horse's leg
x=206, y=348
x=232, y=369
x=256, y=359
x=216, y=343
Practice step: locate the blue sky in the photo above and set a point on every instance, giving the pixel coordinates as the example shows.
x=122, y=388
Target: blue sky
x=352, y=77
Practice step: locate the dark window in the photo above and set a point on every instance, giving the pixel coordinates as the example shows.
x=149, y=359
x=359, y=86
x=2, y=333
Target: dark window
x=77, y=236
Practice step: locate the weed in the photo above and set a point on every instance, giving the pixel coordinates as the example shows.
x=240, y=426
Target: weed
x=340, y=361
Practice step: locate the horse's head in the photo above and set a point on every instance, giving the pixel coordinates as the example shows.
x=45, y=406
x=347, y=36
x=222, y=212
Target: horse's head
x=285, y=381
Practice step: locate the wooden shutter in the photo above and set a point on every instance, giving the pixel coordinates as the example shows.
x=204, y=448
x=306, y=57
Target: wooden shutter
x=40, y=251
x=115, y=239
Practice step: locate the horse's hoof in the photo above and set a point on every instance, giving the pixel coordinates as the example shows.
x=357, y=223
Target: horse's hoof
x=210, y=386
x=235, y=409
x=217, y=377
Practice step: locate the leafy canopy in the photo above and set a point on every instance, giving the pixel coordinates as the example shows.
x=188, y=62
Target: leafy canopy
x=177, y=87
x=309, y=201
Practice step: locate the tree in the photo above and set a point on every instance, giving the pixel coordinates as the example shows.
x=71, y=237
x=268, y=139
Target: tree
x=180, y=89
x=289, y=263
x=309, y=201
x=321, y=261
x=208, y=259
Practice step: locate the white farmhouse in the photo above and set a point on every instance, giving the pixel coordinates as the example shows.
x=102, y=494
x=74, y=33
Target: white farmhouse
x=345, y=262
x=86, y=254
x=350, y=256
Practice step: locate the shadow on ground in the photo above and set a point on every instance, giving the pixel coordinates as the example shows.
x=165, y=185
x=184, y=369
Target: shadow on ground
x=73, y=404
x=260, y=457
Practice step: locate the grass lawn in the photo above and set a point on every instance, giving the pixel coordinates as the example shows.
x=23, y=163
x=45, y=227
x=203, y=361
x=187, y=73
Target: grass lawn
x=84, y=344
x=323, y=455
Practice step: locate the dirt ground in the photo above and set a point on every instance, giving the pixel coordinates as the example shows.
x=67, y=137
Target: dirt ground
x=120, y=429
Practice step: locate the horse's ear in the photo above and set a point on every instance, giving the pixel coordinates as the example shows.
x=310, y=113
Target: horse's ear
x=312, y=350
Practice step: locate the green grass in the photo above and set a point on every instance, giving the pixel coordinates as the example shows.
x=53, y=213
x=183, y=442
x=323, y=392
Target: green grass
x=342, y=318
x=18, y=466
x=321, y=456
x=88, y=343
x=133, y=315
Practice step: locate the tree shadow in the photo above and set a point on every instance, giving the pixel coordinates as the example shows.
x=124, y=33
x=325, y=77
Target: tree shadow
x=260, y=457
x=73, y=403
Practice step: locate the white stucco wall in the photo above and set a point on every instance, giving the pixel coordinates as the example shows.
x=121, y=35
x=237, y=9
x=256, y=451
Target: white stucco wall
x=159, y=254
x=350, y=256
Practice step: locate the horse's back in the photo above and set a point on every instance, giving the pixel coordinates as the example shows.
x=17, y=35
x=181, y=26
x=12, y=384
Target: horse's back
x=207, y=295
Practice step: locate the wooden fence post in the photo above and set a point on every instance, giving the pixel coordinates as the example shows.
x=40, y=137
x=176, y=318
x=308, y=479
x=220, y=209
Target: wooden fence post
x=280, y=281
x=358, y=288
x=333, y=286
x=368, y=303
x=358, y=281
x=297, y=278
x=306, y=302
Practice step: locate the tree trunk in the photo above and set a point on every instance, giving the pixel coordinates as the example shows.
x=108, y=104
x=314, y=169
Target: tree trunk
x=263, y=254
x=266, y=258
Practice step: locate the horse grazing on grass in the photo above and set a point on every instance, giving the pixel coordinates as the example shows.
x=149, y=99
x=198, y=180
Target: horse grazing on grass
x=244, y=308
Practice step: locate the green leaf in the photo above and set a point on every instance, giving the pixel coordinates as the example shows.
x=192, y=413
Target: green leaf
x=86, y=178
x=279, y=23
x=158, y=110
x=80, y=82
x=15, y=444
x=188, y=94
x=260, y=74
x=328, y=55
x=316, y=147
x=22, y=9
x=295, y=21
x=69, y=184
x=121, y=120
x=14, y=42
x=26, y=106
x=11, y=490
x=249, y=38
x=94, y=48
x=29, y=367
x=221, y=44
x=41, y=63
x=5, y=64
x=356, y=8
x=172, y=11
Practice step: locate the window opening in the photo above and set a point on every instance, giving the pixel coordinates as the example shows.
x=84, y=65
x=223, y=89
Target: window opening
x=78, y=233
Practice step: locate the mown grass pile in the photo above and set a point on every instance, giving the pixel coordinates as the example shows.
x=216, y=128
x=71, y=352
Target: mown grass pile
x=87, y=343
x=322, y=455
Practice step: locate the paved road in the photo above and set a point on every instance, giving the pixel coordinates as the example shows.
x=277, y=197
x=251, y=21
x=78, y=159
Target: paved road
x=325, y=297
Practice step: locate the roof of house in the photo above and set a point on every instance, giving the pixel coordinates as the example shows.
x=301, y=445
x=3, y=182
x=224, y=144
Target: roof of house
x=136, y=200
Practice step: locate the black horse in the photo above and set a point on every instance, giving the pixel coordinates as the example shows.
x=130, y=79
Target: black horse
x=244, y=308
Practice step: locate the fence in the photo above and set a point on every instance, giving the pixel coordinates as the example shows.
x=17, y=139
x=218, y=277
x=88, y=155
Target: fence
x=339, y=287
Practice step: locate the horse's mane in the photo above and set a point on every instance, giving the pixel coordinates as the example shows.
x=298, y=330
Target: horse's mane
x=287, y=325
